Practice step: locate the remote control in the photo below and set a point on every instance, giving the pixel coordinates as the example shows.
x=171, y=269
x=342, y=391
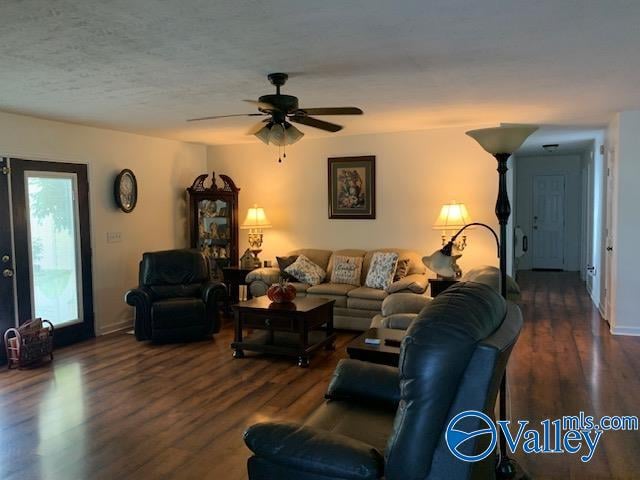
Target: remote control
x=372, y=341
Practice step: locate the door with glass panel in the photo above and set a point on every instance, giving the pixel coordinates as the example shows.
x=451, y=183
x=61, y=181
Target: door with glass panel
x=52, y=246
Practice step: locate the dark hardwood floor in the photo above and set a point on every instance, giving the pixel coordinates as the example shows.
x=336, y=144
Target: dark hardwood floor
x=113, y=408
x=567, y=361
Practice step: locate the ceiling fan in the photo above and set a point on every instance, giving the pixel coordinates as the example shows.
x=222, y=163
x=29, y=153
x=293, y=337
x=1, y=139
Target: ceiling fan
x=279, y=110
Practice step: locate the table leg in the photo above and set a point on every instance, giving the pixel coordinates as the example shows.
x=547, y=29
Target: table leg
x=303, y=358
x=238, y=352
x=330, y=346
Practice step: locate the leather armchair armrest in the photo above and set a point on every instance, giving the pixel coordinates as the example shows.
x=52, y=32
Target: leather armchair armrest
x=141, y=299
x=267, y=275
x=214, y=292
x=355, y=379
x=404, y=303
x=316, y=451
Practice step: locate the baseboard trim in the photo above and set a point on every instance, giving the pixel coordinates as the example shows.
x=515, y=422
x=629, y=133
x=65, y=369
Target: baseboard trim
x=631, y=331
x=116, y=327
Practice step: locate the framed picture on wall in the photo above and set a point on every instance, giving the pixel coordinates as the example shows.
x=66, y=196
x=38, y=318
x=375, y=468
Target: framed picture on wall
x=352, y=187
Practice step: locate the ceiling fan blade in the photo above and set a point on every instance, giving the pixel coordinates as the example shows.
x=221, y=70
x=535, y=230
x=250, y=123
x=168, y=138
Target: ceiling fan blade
x=261, y=105
x=226, y=116
x=332, y=111
x=257, y=127
x=314, y=122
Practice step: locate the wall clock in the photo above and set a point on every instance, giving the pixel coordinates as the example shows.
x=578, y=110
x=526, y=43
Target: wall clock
x=125, y=191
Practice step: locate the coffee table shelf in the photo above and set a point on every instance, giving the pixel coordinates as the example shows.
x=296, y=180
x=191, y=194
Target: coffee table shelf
x=295, y=329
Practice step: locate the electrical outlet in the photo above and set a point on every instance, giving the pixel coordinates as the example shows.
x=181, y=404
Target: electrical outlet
x=114, y=237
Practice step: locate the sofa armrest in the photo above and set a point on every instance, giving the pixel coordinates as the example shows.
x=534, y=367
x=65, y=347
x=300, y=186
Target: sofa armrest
x=141, y=299
x=213, y=293
x=316, y=451
x=404, y=303
x=266, y=275
x=355, y=379
x=416, y=283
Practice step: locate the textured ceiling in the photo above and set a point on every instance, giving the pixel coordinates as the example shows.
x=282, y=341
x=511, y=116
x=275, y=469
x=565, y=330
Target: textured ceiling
x=147, y=65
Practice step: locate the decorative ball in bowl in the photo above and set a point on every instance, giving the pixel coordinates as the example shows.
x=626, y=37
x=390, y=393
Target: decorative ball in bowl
x=281, y=292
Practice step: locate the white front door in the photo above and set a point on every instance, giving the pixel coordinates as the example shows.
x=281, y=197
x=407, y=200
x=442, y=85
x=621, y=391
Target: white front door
x=548, y=222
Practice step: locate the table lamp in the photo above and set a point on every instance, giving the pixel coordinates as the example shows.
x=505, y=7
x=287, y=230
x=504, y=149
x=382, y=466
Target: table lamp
x=255, y=221
x=453, y=216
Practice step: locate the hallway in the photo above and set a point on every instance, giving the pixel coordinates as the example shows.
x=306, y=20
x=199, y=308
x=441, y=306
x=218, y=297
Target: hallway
x=566, y=361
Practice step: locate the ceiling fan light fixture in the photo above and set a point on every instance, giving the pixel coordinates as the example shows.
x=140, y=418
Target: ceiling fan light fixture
x=277, y=135
x=264, y=133
x=292, y=134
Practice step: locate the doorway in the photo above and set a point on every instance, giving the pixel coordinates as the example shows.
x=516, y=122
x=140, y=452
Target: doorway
x=548, y=222
x=46, y=247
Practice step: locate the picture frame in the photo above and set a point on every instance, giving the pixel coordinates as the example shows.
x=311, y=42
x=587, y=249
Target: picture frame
x=352, y=187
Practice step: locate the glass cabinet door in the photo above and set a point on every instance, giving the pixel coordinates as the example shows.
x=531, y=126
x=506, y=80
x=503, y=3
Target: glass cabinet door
x=214, y=233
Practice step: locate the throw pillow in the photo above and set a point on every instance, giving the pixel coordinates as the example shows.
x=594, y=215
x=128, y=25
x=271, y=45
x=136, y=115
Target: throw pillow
x=305, y=271
x=346, y=270
x=380, y=274
x=402, y=269
x=283, y=263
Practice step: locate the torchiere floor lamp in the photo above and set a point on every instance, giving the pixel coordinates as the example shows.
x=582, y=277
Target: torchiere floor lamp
x=500, y=142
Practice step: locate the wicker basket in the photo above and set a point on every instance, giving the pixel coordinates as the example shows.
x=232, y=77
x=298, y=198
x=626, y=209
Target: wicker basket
x=29, y=344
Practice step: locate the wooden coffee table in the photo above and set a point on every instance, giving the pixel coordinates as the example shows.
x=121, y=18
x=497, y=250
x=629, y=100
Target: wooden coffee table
x=295, y=329
x=387, y=353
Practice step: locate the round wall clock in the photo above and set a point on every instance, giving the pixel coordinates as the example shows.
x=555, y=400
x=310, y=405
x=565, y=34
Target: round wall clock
x=125, y=191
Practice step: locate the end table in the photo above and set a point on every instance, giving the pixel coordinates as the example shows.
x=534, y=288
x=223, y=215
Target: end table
x=233, y=278
x=439, y=285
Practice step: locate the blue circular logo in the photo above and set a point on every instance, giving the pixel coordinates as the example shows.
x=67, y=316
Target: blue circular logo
x=460, y=430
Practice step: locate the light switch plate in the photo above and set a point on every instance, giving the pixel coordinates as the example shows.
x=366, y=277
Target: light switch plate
x=114, y=237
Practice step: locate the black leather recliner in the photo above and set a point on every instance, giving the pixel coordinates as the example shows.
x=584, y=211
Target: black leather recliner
x=381, y=421
x=175, y=300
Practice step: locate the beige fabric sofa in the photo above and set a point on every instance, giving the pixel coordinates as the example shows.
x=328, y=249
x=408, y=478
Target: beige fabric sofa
x=355, y=307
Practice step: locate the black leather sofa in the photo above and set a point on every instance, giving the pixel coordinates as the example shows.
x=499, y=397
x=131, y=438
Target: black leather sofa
x=381, y=421
x=176, y=300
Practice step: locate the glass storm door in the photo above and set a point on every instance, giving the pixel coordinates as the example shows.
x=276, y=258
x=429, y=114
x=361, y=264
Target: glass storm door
x=52, y=246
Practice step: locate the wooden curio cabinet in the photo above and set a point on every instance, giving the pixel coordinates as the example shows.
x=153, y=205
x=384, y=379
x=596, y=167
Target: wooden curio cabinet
x=213, y=221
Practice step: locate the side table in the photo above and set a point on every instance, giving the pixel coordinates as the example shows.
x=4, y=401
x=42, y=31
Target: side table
x=439, y=285
x=233, y=278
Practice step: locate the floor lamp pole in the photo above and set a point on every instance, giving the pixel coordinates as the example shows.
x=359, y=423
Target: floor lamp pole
x=506, y=467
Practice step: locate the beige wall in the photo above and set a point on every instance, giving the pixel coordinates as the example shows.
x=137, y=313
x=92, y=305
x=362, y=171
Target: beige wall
x=164, y=168
x=416, y=173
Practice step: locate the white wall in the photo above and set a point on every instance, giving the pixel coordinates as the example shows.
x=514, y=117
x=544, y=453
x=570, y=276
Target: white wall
x=164, y=168
x=416, y=173
x=568, y=165
x=624, y=138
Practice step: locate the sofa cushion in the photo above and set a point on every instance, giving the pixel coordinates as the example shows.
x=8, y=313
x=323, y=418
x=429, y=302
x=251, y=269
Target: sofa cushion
x=381, y=269
x=416, y=283
x=283, y=263
x=415, y=260
x=319, y=257
x=402, y=269
x=347, y=252
x=346, y=269
x=340, y=300
x=300, y=287
x=304, y=270
x=404, y=303
x=364, y=304
x=331, y=289
x=368, y=293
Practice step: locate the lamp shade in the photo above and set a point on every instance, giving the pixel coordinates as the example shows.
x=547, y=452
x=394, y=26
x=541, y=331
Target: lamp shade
x=256, y=218
x=505, y=139
x=452, y=217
